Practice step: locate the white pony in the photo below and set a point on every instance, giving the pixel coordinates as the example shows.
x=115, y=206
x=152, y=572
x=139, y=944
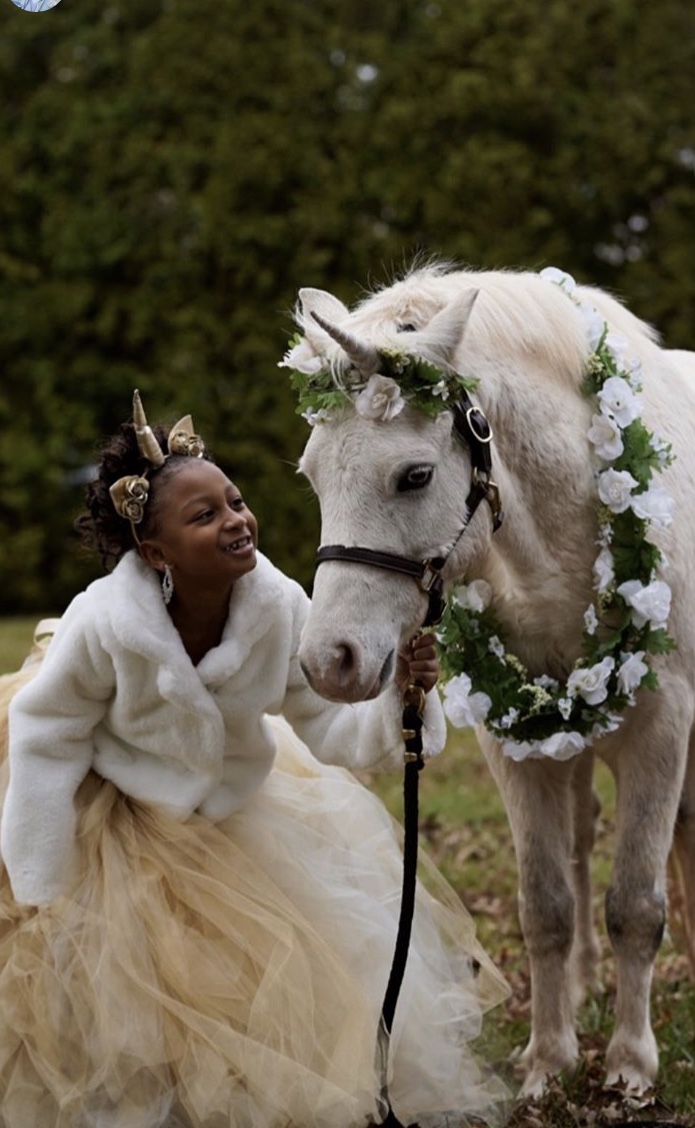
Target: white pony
x=398, y=481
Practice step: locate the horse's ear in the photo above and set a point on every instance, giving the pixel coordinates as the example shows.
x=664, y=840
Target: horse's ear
x=442, y=336
x=323, y=303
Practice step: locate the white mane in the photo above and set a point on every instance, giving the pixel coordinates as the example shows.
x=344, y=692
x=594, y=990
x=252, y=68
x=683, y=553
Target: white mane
x=514, y=312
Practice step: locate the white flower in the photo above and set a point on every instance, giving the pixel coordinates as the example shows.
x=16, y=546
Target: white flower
x=560, y=278
x=496, y=647
x=462, y=707
x=564, y=707
x=603, y=570
x=381, y=399
x=441, y=389
x=618, y=399
x=594, y=324
x=662, y=450
x=475, y=596
x=605, y=434
x=523, y=750
x=509, y=718
x=655, y=505
x=303, y=359
x=313, y=417
x=590, y=620
x=611, y=722
x=563, y=745
x=591, y=682
x=617, y=345
x=630, y=672
x=615, y=488
x=546, y=682
x=632, y=368
x=650, y=603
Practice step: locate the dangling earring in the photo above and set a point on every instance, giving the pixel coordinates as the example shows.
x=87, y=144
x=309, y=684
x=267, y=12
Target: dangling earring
x=167, y=585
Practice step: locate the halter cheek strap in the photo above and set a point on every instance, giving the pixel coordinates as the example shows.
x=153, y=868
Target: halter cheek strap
x=470, y=427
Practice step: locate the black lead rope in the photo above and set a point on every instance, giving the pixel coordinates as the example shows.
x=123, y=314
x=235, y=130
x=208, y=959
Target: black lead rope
x=414, y=701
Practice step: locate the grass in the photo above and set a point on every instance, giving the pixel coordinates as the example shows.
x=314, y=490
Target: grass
x=465, y=830
x=464, y=827
x=16, y=635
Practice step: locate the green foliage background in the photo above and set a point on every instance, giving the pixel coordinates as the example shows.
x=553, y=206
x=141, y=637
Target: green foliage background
x=171, y=172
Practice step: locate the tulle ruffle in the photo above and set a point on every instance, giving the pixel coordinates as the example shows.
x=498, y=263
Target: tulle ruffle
x=206, y=975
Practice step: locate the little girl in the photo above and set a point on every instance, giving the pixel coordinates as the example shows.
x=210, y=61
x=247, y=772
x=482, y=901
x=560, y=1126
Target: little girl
x=198, y=913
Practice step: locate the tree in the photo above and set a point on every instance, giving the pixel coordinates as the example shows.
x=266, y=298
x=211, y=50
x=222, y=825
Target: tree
x=170, y=178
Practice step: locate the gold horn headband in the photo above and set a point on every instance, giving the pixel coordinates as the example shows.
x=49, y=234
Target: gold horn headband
x=129, y=494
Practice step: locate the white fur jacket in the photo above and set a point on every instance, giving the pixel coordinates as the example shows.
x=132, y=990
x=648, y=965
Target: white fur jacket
x=118, y=693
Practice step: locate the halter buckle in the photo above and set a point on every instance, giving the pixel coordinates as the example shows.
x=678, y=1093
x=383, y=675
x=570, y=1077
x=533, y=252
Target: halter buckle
x=430, y=575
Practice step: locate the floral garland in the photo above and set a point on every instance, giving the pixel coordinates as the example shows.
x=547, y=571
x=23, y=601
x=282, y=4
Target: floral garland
x=402, y=378
x=536, y=717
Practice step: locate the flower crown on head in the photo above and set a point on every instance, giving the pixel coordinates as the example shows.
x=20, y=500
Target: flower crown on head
x=130, y=493
x=378, y=382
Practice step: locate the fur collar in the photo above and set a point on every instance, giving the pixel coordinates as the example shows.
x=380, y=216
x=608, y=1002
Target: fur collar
x=140, y=623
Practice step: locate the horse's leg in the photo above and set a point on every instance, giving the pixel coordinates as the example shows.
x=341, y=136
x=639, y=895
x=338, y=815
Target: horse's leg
x=683, y=858
x=537, y=798
x=586, y=809
x=649, y=768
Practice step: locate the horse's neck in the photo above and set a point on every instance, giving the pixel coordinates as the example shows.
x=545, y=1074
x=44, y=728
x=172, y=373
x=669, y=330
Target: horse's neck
x=539, y=564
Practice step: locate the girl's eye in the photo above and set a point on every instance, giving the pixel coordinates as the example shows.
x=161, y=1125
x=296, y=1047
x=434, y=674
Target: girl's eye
x=205, y=515
x=415, y=478
x=238, y=503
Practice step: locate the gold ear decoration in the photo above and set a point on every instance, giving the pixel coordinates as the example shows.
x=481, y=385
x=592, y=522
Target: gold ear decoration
x=147, y=444
x=129, y=497
x=129, y=494
x=183, y=439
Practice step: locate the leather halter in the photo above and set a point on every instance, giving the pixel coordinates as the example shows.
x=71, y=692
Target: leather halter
x=471, y=427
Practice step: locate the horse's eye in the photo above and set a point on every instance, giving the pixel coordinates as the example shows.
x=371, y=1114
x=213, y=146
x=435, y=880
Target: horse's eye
x=405, y=327
x=415, y=478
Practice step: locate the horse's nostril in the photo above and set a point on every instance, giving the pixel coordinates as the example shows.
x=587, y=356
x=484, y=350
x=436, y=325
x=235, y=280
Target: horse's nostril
x=345, y=658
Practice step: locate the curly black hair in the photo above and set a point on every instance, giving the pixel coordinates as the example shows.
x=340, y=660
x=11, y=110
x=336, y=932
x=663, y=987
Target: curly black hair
x=100, y=528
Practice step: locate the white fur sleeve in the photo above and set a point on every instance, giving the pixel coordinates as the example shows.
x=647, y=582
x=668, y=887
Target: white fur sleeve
x=51, y=721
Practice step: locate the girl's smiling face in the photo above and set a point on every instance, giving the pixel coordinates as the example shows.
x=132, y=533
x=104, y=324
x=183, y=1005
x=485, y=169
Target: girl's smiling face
x=202, y=528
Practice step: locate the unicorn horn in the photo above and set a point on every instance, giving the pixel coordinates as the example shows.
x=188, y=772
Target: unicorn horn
x=363, y=355
x=147, y=444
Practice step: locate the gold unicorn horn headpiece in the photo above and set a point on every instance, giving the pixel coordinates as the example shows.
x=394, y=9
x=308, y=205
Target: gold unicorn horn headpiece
x=147, y=444
x=129, y=494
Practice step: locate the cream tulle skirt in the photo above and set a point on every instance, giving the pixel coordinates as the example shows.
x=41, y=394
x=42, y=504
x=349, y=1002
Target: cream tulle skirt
x=232, y=975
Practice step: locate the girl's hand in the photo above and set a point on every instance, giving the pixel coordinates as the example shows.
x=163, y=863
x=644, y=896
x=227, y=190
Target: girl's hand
x=418, y=663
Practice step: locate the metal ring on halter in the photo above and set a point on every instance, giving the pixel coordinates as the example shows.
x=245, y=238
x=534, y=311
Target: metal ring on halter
x=414, y=694
x=478, y=437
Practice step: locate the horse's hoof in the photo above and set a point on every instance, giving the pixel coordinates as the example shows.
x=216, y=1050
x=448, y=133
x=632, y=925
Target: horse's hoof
x=629, y=1081
x=536, y=1084
x=632, y=1064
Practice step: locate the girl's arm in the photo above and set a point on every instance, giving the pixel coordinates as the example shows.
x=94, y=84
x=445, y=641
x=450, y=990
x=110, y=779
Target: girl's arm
x=51, y=721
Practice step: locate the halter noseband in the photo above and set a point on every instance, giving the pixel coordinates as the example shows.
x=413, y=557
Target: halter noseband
x=472, y=428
